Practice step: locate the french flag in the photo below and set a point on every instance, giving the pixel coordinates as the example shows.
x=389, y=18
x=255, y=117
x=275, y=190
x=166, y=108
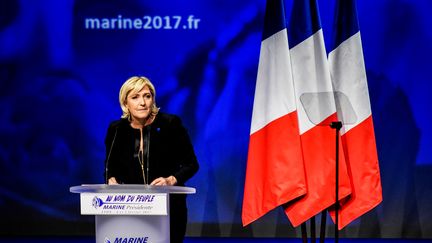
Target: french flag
x=311, y=77
x=275, y=172
x=349, y=77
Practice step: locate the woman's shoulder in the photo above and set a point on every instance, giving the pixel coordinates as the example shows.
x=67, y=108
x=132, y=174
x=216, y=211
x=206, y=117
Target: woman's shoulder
x=118, y=123
x=167, y=119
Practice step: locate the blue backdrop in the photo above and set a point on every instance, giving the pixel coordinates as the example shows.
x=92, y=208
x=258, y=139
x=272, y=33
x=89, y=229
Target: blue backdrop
x=62, y=64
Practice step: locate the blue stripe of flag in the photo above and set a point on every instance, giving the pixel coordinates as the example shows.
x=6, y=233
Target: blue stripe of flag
x=346, y=22
x=304, y=21
x=274, y=20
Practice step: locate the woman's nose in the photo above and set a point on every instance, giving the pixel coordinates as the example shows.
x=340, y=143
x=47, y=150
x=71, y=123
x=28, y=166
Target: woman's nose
x=142, y=102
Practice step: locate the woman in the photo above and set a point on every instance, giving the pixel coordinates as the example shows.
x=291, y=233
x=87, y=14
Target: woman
x=150, y=147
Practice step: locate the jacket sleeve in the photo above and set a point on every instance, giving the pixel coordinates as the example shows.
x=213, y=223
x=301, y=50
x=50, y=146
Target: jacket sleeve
x=186, y=160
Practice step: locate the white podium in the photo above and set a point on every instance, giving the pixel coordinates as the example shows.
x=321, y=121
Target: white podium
x=129, y=213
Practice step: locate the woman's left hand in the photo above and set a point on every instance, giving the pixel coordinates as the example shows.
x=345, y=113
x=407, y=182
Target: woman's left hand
x=164, y=181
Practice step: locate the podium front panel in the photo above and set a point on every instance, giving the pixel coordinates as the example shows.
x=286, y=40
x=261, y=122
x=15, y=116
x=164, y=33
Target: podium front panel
x=130, y=228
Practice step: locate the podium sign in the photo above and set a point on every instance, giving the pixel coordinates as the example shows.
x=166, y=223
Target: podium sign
x=124, y=204
x=129, y=213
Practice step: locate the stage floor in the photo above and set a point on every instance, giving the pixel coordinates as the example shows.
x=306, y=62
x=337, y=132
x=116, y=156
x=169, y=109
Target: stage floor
x=206, y=240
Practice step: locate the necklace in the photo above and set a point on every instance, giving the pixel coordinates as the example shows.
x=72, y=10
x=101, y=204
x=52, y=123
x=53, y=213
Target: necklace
x=141, y=161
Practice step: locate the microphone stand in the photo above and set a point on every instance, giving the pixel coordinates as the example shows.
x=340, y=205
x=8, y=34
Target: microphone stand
x=337, y=125
x=109, y=155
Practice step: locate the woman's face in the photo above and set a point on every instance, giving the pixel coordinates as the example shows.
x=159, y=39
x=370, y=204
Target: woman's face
x=139, y=104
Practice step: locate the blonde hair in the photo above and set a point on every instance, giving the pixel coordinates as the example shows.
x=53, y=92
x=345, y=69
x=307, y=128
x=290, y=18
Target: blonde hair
x=133, y=85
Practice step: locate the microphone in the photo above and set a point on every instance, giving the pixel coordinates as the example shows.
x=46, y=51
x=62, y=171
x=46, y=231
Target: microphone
x=109, y=155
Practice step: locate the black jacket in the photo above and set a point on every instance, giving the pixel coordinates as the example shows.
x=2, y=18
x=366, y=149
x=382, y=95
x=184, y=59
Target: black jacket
x=171, y=151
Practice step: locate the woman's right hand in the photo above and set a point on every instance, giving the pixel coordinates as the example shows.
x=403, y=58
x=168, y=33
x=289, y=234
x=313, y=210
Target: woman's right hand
x=112, y=181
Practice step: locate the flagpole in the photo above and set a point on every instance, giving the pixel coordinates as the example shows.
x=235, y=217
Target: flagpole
x=323, y=225
x=337, y=125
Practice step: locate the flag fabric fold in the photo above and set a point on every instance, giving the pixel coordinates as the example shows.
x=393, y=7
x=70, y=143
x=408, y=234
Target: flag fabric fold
x=275, y=172
x=311, y=75
x=349, y=77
